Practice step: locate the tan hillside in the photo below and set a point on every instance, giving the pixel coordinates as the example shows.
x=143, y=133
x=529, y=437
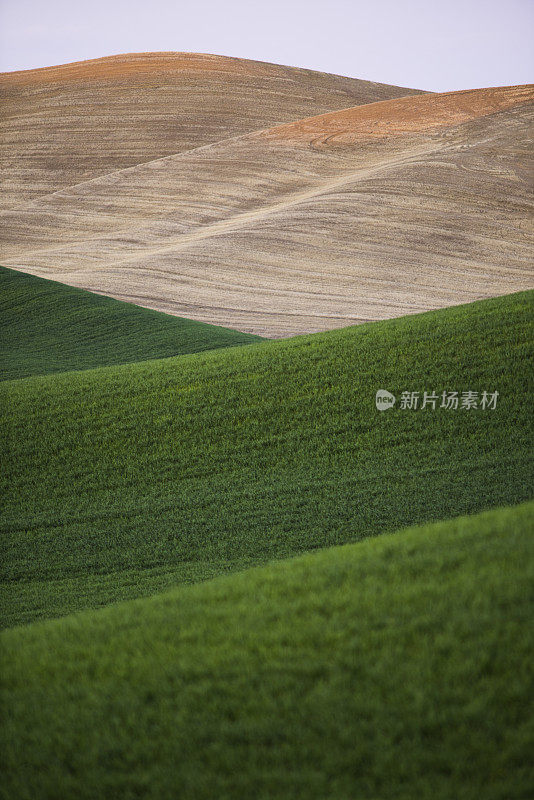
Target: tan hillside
x=374, y=212
x=62, y=125
x=401, y=116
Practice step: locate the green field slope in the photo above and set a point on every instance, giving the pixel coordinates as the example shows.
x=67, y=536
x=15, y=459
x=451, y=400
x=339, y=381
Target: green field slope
x=400, y=667
x=46, y=327
x=121, y=481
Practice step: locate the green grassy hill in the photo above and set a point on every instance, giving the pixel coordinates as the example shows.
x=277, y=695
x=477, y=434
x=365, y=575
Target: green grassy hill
x=395, y=668
x=121, y=481
x=47, y=327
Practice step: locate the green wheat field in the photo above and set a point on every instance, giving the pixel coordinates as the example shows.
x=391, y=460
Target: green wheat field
x=226, y=574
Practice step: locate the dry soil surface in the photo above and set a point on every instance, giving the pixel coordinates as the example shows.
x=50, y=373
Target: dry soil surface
x=61, y=125
x=375, y=211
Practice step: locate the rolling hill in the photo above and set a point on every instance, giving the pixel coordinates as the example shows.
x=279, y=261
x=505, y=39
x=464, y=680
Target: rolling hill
x=396, y=667
x=121, y=481
x=224, y=571
x=47, y=327
x=70, y=123
x=381, y=210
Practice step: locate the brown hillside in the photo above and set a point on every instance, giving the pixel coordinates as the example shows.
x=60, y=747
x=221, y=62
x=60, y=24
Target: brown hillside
x=62, y=125
x=268, y=232
x=401, y=116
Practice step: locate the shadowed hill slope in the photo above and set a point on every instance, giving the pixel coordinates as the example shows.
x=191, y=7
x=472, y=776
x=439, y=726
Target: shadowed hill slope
x=372, y=212
x=61, y=125
x=49, y=327
x=120, y=481
x=394, y=668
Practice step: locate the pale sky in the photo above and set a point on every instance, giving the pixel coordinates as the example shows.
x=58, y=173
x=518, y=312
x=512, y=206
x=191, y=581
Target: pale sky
x=436, y=45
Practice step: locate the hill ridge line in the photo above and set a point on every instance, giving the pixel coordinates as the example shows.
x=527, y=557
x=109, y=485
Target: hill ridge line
x=252, y=134
x=259, y=132
x=118, y=111
x=242, y=136
x=66, y=189
x=236, y=220
x=435, y=95
x=192, y=55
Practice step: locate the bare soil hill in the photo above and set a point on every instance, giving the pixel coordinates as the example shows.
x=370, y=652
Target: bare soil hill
x=61, y=125
x=391, y=208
